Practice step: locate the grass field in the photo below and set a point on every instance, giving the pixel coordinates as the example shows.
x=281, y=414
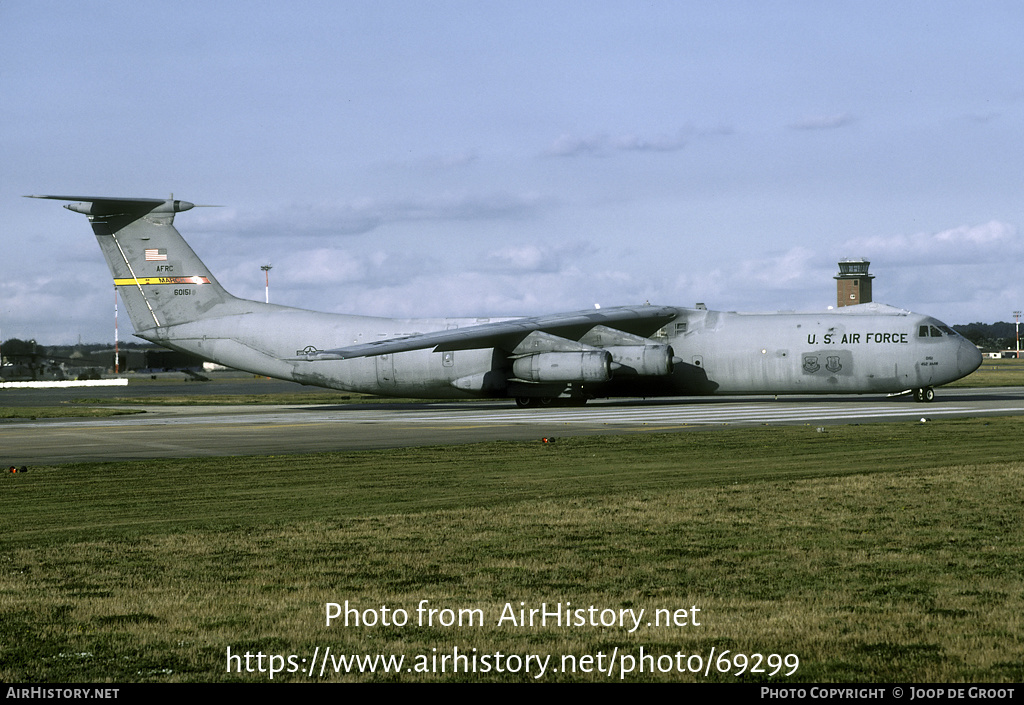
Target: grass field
x=884, y=552
x=59, y=412
x=994, y=373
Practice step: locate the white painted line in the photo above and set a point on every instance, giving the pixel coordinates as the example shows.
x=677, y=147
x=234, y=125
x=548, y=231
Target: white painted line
x=118, y=382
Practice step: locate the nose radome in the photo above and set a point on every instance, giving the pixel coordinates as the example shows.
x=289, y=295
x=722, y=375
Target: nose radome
x=968, y=358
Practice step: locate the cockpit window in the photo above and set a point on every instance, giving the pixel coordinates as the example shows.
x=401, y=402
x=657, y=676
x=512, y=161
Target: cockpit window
x=936, y=333
x=933, y=332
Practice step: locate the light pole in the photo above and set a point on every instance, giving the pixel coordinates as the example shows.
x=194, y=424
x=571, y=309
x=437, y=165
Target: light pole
x=117, y=356
x=266, y=269
x=1016, y=321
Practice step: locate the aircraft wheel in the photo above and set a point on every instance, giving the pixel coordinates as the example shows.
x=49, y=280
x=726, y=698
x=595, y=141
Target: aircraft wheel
x=919, y=395
x=928, y=394
x=546, y=402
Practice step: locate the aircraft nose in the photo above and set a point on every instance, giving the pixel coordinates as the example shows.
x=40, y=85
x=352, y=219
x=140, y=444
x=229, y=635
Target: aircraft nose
x=968, y=358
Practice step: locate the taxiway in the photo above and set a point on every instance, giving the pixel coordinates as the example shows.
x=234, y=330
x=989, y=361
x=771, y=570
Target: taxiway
x=191, y=431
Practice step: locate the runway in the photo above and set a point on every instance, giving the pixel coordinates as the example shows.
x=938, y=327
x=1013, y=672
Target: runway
x=181, y=432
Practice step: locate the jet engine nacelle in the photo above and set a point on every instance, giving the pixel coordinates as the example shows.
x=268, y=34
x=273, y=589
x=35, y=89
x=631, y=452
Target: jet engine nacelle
x=589, y=366
x=642, y=360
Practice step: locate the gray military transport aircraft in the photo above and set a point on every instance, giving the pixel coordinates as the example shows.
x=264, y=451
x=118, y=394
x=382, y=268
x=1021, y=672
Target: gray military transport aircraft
x=566, y=358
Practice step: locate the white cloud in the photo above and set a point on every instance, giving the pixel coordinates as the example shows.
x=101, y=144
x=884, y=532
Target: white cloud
x=603, y=145
x=564, y=258
x=572, y=146
x=990, y=233
x=790, y=268
x=658, y=143
x=823, y=122
x=991, y=242
x=364, y=215
x=528, y=258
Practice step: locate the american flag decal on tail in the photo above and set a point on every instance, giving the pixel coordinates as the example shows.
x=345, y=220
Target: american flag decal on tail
x=156, y=255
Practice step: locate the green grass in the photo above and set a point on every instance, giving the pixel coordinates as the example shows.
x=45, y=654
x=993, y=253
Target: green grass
x=59, y=412
x=884, y=552
x=994, y=373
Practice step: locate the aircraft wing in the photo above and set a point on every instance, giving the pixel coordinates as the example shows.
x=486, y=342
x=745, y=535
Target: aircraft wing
x=507, y=335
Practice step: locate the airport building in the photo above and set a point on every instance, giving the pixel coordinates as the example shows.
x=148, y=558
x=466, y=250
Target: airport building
x=853, y=283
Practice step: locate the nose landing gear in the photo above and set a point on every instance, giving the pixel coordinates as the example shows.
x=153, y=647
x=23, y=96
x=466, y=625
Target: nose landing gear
x=924, y=394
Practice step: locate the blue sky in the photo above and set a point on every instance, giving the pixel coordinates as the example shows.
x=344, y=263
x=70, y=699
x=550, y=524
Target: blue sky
x=477, y=158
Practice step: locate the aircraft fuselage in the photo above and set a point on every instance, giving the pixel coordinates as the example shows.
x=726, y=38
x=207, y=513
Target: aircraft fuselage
x=867, y=349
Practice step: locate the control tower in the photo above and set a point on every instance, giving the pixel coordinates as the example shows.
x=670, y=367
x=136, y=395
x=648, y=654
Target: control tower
x=853, y=283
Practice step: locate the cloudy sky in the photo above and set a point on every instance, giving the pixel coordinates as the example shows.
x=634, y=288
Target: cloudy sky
x=482, y=158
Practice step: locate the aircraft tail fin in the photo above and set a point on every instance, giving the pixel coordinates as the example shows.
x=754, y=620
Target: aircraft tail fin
x=161, y=280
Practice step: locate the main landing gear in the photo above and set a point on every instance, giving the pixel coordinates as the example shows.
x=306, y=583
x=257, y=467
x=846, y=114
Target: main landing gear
x=546, y=402
x=924, y=394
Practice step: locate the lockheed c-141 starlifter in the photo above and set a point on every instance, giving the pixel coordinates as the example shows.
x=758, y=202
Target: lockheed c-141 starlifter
x=175, y=301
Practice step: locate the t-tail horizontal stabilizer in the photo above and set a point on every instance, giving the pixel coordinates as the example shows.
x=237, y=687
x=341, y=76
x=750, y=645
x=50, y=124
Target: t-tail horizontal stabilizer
x=106, y=206
x=161, y=280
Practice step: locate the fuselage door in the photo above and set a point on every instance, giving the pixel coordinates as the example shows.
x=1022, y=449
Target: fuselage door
x=385, y=369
